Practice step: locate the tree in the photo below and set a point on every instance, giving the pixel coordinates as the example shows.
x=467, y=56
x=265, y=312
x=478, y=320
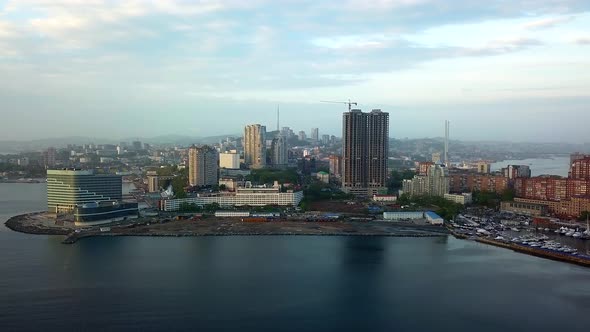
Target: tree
x=486, y=198
x=507, y=195
x=397, y=177
x=189, y=207
x=404, y=199
x=584, y=215
x=178, y=185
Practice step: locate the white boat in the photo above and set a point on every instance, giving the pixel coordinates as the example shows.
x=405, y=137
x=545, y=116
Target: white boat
x=515, y=229
x=577, y=234
x=570, y=233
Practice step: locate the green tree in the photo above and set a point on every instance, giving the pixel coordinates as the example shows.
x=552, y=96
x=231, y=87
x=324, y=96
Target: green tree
x=507, y=195
x=396, y=178
x=584, y=215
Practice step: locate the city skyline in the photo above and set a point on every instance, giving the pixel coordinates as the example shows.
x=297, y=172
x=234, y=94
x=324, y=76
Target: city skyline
x=142, y=68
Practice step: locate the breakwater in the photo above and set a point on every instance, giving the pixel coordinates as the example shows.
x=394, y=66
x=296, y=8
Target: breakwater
x=550, y=254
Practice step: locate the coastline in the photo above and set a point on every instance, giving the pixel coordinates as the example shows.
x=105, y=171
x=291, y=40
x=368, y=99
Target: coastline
x=16, y=224
x=34, y=223
x=234, y=227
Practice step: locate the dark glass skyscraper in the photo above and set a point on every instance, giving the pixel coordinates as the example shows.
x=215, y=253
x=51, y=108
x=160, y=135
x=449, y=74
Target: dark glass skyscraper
x=365, y=147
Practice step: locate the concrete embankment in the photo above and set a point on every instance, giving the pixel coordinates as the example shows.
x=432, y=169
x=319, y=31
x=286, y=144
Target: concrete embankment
x=74, y=237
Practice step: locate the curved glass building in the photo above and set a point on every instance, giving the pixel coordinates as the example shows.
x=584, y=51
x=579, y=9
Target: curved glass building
x=68, y=188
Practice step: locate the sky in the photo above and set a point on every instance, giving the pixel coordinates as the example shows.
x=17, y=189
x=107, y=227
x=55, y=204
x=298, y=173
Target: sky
x=502, y=70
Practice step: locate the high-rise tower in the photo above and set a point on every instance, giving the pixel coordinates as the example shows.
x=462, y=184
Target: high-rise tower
x=203, y=166
x=279, y=151
x=255, y=146
x=365, y=139
x=315, y=134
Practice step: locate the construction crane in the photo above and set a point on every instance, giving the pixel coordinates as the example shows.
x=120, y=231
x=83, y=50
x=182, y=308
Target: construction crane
x=349, y=103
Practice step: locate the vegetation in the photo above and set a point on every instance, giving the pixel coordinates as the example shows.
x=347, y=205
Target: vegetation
x=192, y=207
x=397, y=177
x=271, y=175
x=507, y=195
x=189, y=207
x=444, y=208
x=584, y=215
x=486, y=198
x=32, y=170
x=492, y=199
x=179, y=182
x=319, y=191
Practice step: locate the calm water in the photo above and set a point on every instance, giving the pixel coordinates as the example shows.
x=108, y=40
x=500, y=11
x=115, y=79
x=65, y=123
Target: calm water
x=278, y=283
x=553, y=166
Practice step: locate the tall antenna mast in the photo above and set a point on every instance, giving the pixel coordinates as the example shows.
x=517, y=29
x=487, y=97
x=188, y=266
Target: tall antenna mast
x=446, y=156
x=278, y=115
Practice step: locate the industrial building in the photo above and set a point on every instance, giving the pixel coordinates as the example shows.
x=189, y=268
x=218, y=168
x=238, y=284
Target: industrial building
x=428, y=216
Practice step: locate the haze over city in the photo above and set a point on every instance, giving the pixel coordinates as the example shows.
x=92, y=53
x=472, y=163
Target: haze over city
x=503, y=70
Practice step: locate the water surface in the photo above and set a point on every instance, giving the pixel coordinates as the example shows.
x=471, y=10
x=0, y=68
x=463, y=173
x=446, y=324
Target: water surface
x=278, y=283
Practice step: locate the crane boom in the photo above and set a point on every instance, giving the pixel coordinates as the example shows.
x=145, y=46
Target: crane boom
x=349, y=103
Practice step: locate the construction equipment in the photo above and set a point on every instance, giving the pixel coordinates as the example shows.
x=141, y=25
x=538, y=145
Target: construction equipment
x=349, y=103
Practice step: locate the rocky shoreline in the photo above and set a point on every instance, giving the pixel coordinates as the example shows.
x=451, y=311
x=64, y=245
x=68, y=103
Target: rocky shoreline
x=16, y=224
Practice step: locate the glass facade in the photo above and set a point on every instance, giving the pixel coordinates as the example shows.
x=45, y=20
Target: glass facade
x=68, y=188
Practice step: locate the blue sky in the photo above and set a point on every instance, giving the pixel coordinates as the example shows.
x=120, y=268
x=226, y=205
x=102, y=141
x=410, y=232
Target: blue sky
x=507, y=70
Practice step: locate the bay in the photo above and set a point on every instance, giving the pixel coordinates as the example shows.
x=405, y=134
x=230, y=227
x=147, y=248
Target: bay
x=297, y=283
x=558, y=165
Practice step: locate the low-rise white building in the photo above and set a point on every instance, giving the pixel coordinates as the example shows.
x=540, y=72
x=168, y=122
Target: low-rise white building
x=465, y=198
x=385, y=198
x=323, y=176
x=430, y=217
x=403, y=215
x=242, y=197
x=433, y=218
x=232, y=213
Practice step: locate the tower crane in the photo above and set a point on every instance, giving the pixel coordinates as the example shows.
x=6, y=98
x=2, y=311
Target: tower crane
x=349, y=103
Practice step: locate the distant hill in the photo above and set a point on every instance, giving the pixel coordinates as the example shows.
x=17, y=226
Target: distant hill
x=15, y=146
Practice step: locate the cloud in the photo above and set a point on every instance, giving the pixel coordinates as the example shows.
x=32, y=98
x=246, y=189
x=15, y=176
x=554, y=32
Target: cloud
x=546, y=23
x=582, y=41
x=378, y=5
x=354, y=42
x=7, y=30
x=500, y=46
